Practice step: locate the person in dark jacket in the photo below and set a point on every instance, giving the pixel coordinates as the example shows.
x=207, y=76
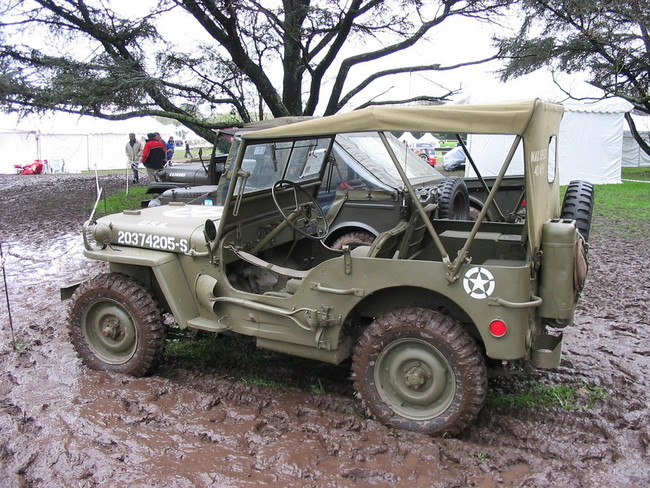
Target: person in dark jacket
x=171, y=146
x=154, y=155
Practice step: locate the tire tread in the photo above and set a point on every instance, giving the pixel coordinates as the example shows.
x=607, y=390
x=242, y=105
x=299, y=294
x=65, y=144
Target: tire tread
x=145, y=311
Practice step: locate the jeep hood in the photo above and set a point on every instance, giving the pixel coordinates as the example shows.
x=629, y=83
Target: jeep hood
x=172, y=228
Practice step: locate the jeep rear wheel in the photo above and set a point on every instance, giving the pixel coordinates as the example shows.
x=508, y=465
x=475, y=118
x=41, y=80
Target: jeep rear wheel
x=578, y=205
x=418, y=369
x=115, y=325
x=453, y=202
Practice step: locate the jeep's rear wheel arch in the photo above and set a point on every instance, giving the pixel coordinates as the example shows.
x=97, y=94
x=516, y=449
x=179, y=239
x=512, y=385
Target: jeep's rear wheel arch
x=476, y=205
x=338, y=232
x=387, y=299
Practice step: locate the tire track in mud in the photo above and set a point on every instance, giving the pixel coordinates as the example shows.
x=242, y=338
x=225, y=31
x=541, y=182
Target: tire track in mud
x=64, y=425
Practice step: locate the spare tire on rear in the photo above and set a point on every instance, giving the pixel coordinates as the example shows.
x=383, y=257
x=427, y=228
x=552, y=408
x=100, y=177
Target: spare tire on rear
x=578, y=205
x=453, y=202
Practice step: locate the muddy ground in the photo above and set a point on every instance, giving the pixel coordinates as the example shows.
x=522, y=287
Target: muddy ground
x=270, y=419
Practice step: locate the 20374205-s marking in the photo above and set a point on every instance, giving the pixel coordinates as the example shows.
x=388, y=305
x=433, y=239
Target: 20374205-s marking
x=152, y=241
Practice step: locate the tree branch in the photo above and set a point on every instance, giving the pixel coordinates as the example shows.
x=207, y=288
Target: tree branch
x=635, y=133
x=407, y=69
x=421, y=98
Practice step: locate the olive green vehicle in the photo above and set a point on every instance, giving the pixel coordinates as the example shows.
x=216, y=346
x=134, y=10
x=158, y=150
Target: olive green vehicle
x=418, y=310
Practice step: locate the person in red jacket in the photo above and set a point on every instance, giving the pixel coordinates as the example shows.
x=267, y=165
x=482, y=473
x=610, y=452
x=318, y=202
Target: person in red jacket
x=154, y=155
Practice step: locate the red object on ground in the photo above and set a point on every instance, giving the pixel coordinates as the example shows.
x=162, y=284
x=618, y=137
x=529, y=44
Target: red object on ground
x=35, y=168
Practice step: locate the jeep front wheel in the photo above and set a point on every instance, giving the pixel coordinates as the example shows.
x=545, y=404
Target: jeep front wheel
x=419, y=370
x=115, y=325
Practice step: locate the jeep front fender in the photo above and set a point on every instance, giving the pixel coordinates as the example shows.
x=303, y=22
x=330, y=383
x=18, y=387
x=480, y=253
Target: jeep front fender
x=167, y=271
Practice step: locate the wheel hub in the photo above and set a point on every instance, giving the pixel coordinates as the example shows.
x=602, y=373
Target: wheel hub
x=111, y=328
x=110, y=331
x=415, y=377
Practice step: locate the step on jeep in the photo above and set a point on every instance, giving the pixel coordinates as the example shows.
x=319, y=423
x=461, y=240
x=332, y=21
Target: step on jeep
x=418, y=308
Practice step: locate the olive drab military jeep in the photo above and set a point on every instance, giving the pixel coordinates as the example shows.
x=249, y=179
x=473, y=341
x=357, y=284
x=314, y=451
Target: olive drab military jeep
x=418, y=309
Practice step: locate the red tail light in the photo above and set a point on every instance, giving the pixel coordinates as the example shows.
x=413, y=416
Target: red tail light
x=498, y=328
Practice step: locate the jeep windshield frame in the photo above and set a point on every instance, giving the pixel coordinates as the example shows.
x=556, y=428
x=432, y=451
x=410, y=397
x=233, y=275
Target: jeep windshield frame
x=532, y=122
x=300, y=160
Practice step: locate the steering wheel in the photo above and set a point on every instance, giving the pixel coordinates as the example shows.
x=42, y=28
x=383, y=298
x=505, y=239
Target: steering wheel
x=307, y=218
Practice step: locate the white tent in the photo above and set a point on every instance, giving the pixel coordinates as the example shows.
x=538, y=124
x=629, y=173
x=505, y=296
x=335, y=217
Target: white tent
x=79, y=142
x=590, y=145
x=408, y=138
x=428, y=137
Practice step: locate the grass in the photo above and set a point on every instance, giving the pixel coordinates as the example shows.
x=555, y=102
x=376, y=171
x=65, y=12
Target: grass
x=623, y=211
x=640, y=173
x=533, y=395
x=630, y=200
x=120, y=201
x=213, y=351
x=238, y=359
x=263, y=382
x=482, y=456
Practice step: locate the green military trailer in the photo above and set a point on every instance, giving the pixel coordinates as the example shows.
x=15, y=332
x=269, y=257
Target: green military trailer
x=419, y=309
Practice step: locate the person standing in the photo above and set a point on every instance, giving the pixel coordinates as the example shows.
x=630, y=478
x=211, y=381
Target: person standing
x=171, y=146
x=154, y=155
x=133, y=151
x=188, y=151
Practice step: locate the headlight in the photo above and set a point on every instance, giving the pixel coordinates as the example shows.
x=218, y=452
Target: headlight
x=102, y=234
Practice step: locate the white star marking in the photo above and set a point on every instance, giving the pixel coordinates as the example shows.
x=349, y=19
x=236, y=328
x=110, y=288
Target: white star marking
x=479, y=283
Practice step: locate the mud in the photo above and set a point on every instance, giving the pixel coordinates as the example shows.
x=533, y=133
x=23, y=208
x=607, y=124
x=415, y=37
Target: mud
x=213, y=422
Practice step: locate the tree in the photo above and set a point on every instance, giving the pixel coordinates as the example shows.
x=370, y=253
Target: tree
x=286, y=57
x=608, y=39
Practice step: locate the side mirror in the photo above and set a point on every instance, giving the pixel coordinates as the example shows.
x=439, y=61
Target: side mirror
x=210, y=230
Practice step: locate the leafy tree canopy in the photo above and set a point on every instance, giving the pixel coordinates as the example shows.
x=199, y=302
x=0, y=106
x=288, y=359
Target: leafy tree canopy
x=607, y=39
x=281, y=57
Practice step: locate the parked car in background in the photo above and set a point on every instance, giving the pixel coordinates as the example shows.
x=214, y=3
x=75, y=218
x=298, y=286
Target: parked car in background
x=425, y=151
x=454, y=159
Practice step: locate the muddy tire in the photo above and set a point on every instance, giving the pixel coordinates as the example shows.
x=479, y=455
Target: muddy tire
x=419, y=370
x=453, y=202
x=578, y=205
x=115, y=325
x=353, y=239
